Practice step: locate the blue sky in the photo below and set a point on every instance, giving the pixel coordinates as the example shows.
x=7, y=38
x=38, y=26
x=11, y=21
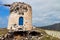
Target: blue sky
x=44, y=12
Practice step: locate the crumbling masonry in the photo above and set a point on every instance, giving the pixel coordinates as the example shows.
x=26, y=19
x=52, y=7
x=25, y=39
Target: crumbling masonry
x=20, y=16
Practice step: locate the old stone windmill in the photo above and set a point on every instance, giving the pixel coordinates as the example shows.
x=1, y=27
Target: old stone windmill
x=20, y=17
x=20, y=21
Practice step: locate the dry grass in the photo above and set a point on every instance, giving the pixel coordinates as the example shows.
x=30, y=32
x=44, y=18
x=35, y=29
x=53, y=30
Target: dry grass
x=45, y=37
x=3, y=31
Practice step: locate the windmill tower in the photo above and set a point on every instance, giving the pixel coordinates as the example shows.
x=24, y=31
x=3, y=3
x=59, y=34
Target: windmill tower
x=20, y=16
x=20, y=20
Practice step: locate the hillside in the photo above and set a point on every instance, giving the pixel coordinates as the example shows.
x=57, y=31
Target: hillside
x=52, y=27
x=53, y=33
x=3, y=31
x=44, y=37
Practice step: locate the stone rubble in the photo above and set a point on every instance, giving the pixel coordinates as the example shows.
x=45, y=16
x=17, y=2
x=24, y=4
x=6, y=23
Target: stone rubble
x=10, y=36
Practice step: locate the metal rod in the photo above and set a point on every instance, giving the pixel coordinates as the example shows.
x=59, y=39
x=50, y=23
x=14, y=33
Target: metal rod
x=6, y=4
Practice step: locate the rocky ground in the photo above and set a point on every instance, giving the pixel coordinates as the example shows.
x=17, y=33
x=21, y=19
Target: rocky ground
x=43, y=36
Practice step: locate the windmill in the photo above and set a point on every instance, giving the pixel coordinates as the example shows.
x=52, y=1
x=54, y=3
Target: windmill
x=20, y=16
x=20, y=20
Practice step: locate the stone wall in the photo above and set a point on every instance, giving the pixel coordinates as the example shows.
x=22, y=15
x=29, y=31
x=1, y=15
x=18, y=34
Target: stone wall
x=53, y=33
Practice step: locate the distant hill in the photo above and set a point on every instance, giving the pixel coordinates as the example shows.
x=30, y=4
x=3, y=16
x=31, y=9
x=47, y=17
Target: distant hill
x=52, y=27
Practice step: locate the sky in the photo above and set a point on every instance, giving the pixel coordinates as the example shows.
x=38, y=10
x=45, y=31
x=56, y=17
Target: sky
x=44, y=12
